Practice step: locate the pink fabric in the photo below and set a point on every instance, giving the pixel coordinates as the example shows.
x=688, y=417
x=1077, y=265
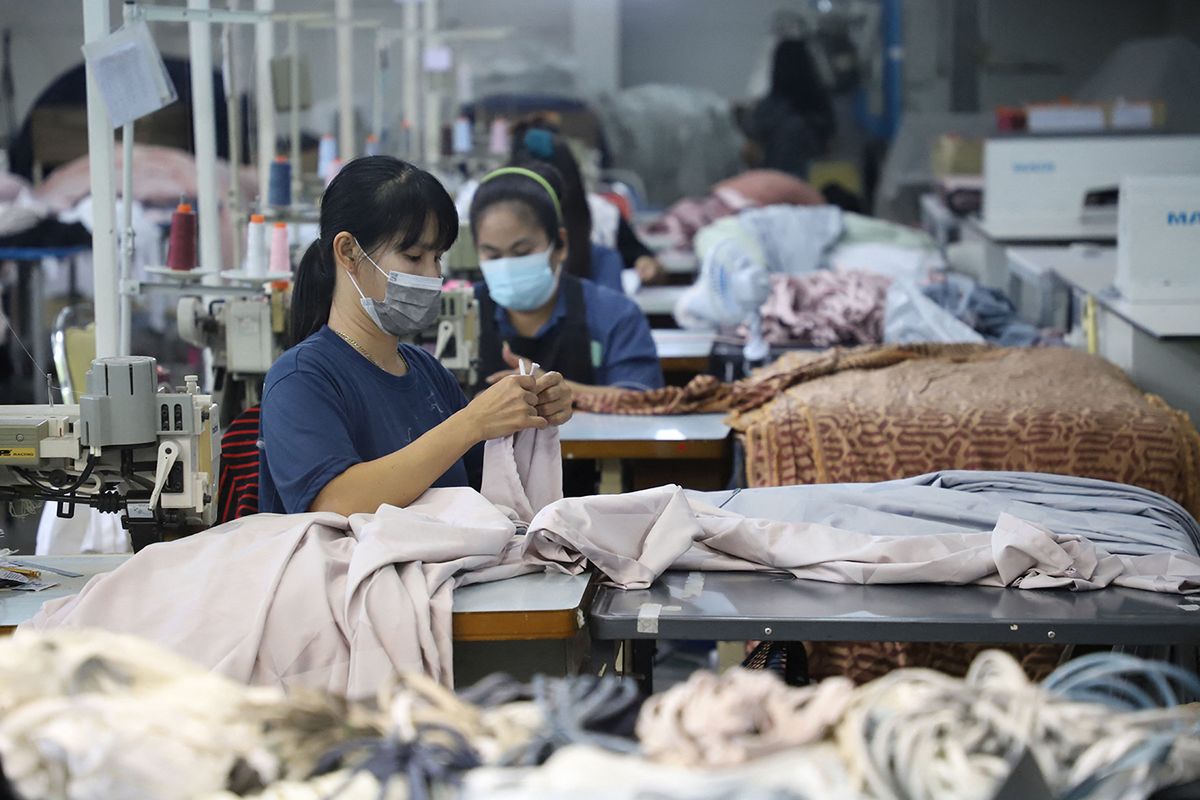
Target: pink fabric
x=682, y=220
x=161, y=176
x=11, y=186
x=522, y=473
x=634, y=538
x=320, y=600
x=825, y=308
x=769, y=187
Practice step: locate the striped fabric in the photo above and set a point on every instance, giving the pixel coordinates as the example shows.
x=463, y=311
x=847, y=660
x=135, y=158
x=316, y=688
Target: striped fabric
x=238, y=491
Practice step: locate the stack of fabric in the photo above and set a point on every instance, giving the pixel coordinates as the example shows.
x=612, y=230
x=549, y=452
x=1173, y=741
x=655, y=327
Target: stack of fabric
x=90, y=716
x=878, y=413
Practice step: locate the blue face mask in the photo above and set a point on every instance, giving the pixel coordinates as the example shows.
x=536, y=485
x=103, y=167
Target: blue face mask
x=521, y=283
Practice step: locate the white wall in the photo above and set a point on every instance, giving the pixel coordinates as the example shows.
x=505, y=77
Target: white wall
x=713, y=44
x=1040, y=50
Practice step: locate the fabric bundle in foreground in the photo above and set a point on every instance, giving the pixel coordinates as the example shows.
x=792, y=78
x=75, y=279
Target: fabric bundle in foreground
x=93, y=716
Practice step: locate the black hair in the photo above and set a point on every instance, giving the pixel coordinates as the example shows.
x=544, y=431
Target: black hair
x=796, y=79
x=379, y=200
x=530, y=196
x=547, y=147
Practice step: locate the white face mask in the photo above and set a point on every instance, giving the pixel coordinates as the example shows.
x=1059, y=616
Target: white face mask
x=521, y=283
x=411, y=304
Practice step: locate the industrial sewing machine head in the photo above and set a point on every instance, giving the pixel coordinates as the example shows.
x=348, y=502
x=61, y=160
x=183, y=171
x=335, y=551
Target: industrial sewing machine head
x=126, y=449
x=457, y=342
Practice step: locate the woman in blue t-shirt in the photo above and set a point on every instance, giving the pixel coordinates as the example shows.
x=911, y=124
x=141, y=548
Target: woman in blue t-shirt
x=351, y=419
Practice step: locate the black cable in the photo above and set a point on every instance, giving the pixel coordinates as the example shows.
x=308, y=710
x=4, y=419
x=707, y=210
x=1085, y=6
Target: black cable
x=83, y=476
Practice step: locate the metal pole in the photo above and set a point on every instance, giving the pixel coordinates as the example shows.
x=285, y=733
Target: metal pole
x=381, y=62
x=433, y=96
x=264, y=48
x=294, y=108
x=410, y=54
x=97, y=25
x=233, y=120
x=205, y=136
x=345, y=80
x=125, y=326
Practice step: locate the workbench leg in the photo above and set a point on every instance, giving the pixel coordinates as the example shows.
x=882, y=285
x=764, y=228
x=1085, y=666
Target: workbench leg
x=795, y=670
x=39, y=342
x=602, y=658
x=643, y=651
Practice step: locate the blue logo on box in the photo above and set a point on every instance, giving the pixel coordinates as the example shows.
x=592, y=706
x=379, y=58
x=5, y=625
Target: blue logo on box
x=1183, y=217
x=1041, y=167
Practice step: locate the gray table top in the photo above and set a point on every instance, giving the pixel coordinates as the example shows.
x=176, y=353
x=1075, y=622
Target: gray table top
x=586, y=426
x=673, y=343
x=739, y=605
x=658, y=300
x=1091, y=270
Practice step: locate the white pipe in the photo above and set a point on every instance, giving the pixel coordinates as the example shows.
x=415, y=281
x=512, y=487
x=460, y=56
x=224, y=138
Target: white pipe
x=294, y=108
x=264, y=49
x=381, y=59
x=97, y=25
x=410, y=67
x=345, y=80
x=205, y=136
x=125, y=325
x=433, y=95
x=233, y=124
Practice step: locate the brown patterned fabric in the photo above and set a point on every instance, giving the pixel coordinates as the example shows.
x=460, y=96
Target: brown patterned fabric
x=865, y=661
x=877, y=413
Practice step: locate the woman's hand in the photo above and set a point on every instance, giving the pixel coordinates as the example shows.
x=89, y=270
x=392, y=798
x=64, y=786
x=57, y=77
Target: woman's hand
x=507, y=406
x=649, y=269
x=556, y=400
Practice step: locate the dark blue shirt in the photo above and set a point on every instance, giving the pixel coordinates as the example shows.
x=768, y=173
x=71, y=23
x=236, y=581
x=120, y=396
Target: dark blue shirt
x=326, y=408
x=623, y=351
x=606, y=267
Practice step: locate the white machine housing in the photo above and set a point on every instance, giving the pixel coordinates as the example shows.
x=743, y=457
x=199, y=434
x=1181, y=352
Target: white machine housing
x=152, y=456
x=1158, y=239
x=1034, y=187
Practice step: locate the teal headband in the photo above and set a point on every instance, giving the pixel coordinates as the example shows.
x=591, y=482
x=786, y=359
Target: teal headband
x=528, y=173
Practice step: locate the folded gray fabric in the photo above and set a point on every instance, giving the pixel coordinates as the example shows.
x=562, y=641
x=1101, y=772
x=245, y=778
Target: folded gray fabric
x=1124, y=520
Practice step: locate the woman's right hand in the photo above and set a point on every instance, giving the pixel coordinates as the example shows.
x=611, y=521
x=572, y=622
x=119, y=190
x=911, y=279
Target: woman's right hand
x=507, y=406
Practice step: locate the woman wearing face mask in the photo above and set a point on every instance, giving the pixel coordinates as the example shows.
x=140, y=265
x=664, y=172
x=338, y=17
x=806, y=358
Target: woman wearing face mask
x=532, y=307
x=351, y=419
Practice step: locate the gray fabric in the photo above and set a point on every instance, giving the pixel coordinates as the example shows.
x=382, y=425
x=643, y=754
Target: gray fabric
x=988, y=311
x=1124, y=520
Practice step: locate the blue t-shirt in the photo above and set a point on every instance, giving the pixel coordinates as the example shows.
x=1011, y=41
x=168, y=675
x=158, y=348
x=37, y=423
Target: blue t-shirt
x=606, y=268
x=326, y=408
x=623, y=351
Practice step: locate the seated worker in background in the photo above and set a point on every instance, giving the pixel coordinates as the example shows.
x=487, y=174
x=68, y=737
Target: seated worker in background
x=532, y=307
x=351, y=419
x=792, y=125
x=588, y=216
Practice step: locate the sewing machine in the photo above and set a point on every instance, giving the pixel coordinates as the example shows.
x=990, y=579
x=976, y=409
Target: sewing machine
x=457, y=342
x=1061, y=188
x=126, y=449
x=1158, y=237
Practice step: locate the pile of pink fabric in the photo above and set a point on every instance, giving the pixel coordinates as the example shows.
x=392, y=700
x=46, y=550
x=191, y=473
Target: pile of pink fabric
x=756, y=188
x=162, y=176
x=825, y=308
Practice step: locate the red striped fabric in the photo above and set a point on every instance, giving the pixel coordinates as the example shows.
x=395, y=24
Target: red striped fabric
x=238, y=486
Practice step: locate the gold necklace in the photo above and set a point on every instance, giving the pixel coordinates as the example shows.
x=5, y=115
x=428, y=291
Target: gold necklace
x=362, y=351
